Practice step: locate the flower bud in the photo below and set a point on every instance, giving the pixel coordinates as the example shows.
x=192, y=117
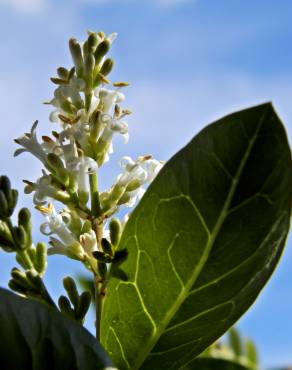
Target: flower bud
x=5, y=184
x=92, y=42
x=107, y=247
x=83, y=306
x=65, y=306
x=71, y=289
x=16, y=287
x=20, y=236
x=120, y=256
x=133, y=185
x=76, y=53
x=102, y=257
x=24, y=219
x=20, y=278
x=115, y=228
x=41, y=258
x=89, y=65
x=36, y=280
x=3, y=206
x=101, y=50
x=107, y=67
x=63, y=73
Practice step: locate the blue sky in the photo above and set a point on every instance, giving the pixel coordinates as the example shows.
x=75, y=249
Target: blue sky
x=189, y=62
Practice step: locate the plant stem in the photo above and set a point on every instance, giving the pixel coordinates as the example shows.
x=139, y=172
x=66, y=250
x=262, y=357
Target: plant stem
x=100, y=291
x=95, y=203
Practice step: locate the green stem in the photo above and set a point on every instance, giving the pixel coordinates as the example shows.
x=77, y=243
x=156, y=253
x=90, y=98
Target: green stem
x=95, y=202
x=100, y=291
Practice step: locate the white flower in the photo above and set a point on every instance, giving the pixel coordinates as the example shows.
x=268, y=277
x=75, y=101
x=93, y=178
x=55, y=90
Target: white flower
x=112, y=36
x=113, y=125
x=88, y=242
x=30, y=144
x=133, y=170
x=74, y=251
x=55, y=225
x=108, y=98
x=81, y=167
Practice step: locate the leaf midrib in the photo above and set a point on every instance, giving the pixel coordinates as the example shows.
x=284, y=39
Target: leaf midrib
x=147, y=348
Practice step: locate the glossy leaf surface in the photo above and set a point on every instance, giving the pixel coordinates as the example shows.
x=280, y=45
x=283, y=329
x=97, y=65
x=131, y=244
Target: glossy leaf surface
x=36, y=337
x=202, y=243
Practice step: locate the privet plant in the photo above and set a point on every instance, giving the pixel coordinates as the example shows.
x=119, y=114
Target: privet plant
x=170, y=277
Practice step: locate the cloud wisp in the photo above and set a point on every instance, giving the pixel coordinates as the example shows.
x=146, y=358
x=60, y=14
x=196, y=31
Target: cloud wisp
x=25, y=6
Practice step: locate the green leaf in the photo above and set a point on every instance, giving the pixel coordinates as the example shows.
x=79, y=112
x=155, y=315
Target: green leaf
x=35, y=336
x=214, y=364
x=202, y=242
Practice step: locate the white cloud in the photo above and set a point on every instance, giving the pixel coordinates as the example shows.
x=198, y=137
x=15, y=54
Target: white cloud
x=26, y=6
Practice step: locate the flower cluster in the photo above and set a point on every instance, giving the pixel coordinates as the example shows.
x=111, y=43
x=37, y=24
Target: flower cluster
x=87, y=112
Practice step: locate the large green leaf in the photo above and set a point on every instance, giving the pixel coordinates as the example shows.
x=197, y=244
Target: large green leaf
x=202, y=242
x=214, y=364
x=37, y=337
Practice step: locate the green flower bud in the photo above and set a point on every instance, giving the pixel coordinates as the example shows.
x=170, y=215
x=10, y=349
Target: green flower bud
x=20, y=236
x=24, y=220
x=85, y=49
x=71, y=289
x=5, y=184
x=92, y=42
x=235, y=342
x=63, y=73
x=107, y=247
x=3, y=206
x=31, y=253
x=89, y=65
x=20, y=278
x=120, y=256
x=16, y=287
x=124, y=199
x=6, y=244
x=115, y=228
x=133, y=185
x=65, y=306
x=107, y=67
x=251, y=352
x=35, y=279
x=41, y=258
x=12, y=200
x=117, y=192
x=102, y=257
x=77, y=57
x=101, y=50
x=83, y=306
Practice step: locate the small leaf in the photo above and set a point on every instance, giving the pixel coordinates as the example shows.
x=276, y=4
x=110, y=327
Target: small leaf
x=235, y=342
x=202, y=242
x=39, y=337
x=213, y=364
